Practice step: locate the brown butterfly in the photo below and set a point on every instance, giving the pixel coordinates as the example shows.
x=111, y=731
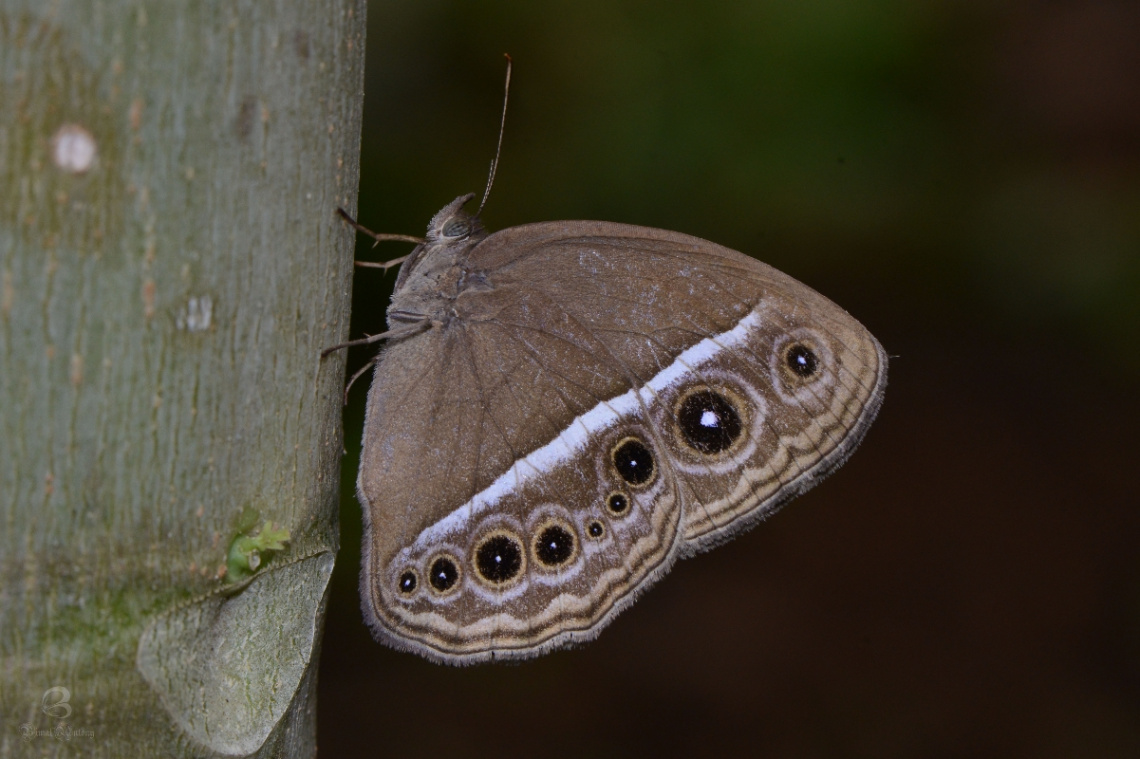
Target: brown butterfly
x=564, y=409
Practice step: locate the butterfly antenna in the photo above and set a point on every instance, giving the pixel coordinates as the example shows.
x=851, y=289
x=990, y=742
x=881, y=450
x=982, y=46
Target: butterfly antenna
x=502, y=127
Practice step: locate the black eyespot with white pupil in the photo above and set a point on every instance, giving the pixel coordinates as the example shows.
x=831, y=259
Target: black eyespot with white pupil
x=408, y=582
x=443, y=574
x=633, y=461
x=801, y=360
x=709, y=422
x=554, y=546
x=618, y=504
x=499, y=559
x=595, y=530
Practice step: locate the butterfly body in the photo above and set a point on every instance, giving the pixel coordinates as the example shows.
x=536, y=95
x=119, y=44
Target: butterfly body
x=566, y=408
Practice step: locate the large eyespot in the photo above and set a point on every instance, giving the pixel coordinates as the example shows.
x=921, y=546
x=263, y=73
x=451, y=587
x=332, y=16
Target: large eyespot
x=633, y=461
x=443, y=574
x=596, y=530
x=408, y=582
x=555, y=545
x=457, y=228
x=617, y=504
x=709, y=420
x=801, y=360
x=499, y=558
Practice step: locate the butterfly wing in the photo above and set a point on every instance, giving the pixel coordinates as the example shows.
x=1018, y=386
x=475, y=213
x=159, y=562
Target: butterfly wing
x=607, y=398
x=652, y=295
x=490, y=527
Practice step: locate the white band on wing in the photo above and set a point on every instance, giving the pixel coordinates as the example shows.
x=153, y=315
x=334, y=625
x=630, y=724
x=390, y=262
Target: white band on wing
x=578, y=433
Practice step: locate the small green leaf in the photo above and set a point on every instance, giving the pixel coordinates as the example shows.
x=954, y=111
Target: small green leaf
x=272, y=539
x=248, y=552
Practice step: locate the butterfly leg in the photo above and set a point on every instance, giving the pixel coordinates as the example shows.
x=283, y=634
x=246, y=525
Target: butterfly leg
x=363, y=369
x=377, y=237
x=385, y=265
x=391, y=334
x=406, y=331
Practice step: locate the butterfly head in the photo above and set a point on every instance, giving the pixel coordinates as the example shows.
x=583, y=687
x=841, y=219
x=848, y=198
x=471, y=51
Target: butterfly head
x=454, y=225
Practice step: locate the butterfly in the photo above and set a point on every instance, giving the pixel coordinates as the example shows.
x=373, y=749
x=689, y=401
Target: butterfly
x=563, y=410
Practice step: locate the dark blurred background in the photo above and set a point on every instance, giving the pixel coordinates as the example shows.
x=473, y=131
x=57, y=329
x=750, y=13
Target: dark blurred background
x=964, y=178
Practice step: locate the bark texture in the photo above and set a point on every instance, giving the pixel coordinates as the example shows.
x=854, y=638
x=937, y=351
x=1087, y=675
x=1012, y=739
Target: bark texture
x=170, y=267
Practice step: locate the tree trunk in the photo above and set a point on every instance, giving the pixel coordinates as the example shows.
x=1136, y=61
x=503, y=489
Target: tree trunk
x=170, y=267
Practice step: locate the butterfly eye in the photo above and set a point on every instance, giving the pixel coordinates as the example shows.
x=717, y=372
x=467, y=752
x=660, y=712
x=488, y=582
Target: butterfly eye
x=801, y=360
x=499, y=558
x=457, y=228
x=709, y=421
x=633, y=461
x=555, y=545
x=443, y=575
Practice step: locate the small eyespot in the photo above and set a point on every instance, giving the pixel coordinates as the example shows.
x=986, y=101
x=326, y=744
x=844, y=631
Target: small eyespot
x=444, y=574
x=596, y=530
x=801, y=360
x=617, y=504
x=408, y=582
x=555, y=545
x=709, y=422
x=499, y=558
x=633, y=461
x=457, y=228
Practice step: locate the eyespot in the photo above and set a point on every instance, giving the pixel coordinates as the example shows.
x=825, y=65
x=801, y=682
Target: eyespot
x=633, y=461
x=709, y=420
x=408, y=582
x=499, y=558
x=617, y=504
x=443, y=576
x=457, y=228
x=805, y=369
x=596, y=530
x=801, y=360
x=555, y=545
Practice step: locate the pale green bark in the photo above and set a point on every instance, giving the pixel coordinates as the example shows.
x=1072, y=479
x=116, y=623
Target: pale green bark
x=161, y=317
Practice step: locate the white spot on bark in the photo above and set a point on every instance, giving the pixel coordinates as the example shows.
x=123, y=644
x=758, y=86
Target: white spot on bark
x=196, y=315
x=73, y=149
